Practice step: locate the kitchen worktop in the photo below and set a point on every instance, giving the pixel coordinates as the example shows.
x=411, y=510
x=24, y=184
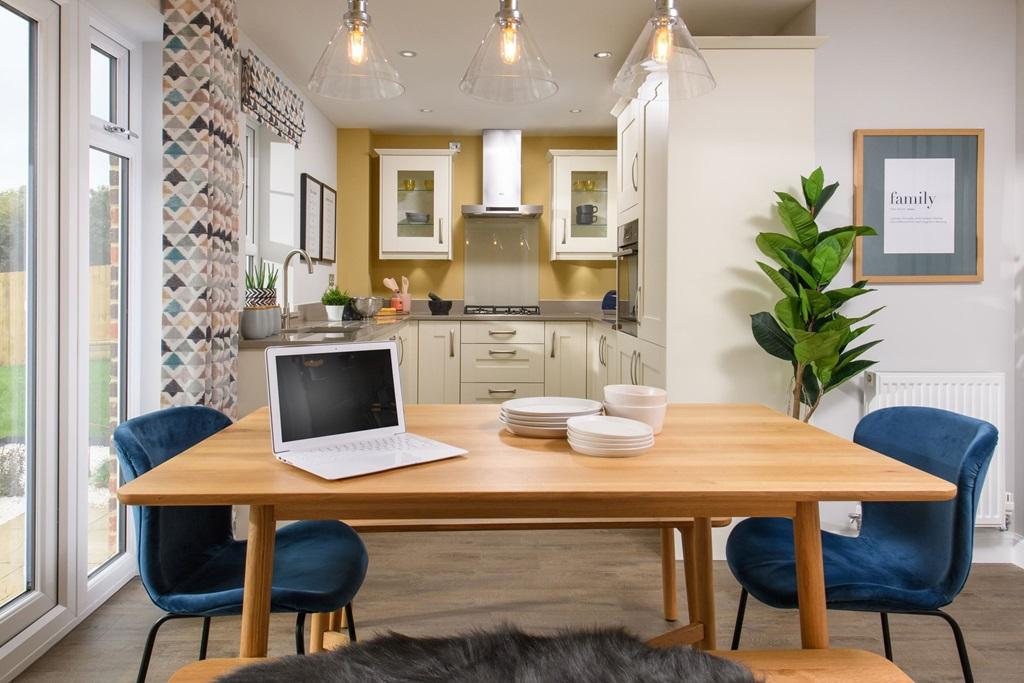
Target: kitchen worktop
x=325, y=332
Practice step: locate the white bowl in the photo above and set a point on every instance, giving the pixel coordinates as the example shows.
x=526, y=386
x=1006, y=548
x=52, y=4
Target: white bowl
x=635, y=396
x=584, y=449
x=651, y=415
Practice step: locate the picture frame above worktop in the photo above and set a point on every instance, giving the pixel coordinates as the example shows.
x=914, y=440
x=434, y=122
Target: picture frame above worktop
x=415, y=187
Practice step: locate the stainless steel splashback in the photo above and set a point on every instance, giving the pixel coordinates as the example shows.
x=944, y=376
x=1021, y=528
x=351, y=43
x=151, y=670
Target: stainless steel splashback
x=502, y=264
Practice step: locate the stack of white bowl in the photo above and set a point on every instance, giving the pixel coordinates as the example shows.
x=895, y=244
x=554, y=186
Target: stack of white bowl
x=609, y=437
x=646, y=404
x=544, y=417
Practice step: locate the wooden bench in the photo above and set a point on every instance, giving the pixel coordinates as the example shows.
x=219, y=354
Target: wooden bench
x=775, y=666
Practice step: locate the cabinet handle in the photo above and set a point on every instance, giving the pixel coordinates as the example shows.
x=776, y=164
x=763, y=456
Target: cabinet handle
x=440, y=231
x=497, y=352
x=401, y=350
x=451, y=343
x=554, y=336
x=492, y=392
x=639, y=368
x=635, y=170
x=639, y=302
x=632, y=368
x=600, y=350
x=495, y=333
x=565, y=230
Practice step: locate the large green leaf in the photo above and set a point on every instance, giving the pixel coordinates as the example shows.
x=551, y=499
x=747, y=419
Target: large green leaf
x=797, y=263
x=779, y=279
x=824, y=367
x=813, y=185
x=797, y=219
x=771, y=337
x=853, y=334
x=859, y=230
x=844, y=294
x=826, y=194
x=820, y=304
x=826, y=260
x=853, y=354
x=815, y=346
x=810, y=388
x=789, y=313
x=773, y=245
x=847, y=372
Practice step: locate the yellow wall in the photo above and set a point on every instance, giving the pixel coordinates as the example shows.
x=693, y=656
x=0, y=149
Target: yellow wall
x=359, y=269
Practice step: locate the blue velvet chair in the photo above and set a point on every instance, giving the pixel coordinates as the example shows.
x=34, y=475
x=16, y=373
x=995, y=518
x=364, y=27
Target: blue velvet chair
x=189, y=562
x=910, y=558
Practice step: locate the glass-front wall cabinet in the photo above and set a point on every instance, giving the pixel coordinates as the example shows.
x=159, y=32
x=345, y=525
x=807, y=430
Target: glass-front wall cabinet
x=583, y=199
x=415, y=204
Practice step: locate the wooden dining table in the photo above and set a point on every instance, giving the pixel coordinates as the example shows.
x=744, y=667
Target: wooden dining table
x=715, y=460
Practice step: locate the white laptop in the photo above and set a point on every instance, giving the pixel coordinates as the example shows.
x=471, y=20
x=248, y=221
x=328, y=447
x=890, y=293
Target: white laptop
x=336, y=410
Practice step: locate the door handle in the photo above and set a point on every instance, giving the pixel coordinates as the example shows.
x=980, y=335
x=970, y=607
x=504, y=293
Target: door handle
x=492, y=392
x=495, y=333
x=565, y=230
x=635, y=170
x=440, y=231
x=639, y=302
x=499, y=352
x=639, y=368
x=554, y=336
x=451, y=343
x=600, y=350
x=401, y=350
x=632, y=368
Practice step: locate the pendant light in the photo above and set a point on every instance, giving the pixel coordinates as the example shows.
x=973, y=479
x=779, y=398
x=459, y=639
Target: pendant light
x=508, y=67
x=665, y=62
x=353, y=66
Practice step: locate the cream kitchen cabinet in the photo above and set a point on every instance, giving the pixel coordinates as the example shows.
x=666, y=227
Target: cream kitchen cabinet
x=565, y=359
x=602, y=359
x=439, y=362
x=415, y=203
x=630, y=162
x=640, y=362
x=408, y=340
x=584, y=207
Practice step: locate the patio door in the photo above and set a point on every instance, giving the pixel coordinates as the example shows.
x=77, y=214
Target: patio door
x=29, y=310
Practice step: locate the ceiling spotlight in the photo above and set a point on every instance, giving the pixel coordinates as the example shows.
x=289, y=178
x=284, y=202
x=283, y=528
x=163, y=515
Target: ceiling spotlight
x=603, y=54
x=407, y=53
x=575, y=111
x=427, y=110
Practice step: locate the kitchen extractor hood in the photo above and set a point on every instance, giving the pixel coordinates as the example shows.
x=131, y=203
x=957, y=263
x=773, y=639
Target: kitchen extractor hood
x=503, y=179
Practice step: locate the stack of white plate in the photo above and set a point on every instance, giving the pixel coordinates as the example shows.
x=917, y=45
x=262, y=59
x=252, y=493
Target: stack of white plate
x=544, y=417
x=609, y=437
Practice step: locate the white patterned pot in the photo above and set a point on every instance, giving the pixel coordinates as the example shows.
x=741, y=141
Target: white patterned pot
x=259, y=297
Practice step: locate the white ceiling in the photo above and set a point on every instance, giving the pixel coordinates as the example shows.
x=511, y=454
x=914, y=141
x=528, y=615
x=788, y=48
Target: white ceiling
x=445, y=34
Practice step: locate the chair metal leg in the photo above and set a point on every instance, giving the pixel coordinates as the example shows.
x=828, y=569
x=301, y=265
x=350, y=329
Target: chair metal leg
x=147, y=652
x=886, y=635
x=351, y=623
x=204, y=641
x=740, y=612
x=300, y=632
x=961, y=644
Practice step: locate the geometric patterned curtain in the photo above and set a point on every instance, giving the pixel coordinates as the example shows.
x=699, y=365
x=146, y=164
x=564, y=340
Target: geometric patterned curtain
x=269, y=100
x=202, y=176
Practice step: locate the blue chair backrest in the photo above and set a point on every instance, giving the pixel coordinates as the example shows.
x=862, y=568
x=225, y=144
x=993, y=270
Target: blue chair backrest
x=935, y=540
x=172, y=541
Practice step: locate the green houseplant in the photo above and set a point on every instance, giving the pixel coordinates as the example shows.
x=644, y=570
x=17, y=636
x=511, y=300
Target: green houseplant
x=335, y=303
x=261, y=286
x=806, y=327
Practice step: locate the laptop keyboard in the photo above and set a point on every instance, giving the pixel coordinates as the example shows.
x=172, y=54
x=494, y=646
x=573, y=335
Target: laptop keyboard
x=385, y=444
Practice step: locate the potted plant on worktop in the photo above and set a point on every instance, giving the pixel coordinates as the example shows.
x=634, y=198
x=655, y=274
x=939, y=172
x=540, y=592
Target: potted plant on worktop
x=261, y=317
x=807, y=329
x=335, y=302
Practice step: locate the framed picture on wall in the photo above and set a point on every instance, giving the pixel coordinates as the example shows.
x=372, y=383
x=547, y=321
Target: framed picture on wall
x=328, y=223
x=310, y=210
x=923, y=191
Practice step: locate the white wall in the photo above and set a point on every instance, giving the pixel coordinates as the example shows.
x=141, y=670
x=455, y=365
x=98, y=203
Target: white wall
x=913, y=64
x=317, y=156
x=152, y=228
x=1019, y=272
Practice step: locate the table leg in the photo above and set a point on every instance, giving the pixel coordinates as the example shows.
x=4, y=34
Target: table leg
x=705, y=581
x=690, y=573
x=810, y=576
x=259, y=573
x=668, y=574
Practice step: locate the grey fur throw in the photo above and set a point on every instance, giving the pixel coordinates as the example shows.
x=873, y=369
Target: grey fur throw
x=503, y=656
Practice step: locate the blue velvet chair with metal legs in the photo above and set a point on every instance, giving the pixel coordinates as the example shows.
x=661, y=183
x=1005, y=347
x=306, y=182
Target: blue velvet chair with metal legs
x=910, y=558
x=189, y=562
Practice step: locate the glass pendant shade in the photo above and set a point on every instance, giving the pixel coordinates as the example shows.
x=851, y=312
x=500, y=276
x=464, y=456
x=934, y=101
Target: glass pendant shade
x=665, y=62
x=353, y=67
x=508, y=67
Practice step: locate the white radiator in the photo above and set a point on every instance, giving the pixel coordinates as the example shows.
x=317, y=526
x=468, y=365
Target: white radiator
x=979, y=395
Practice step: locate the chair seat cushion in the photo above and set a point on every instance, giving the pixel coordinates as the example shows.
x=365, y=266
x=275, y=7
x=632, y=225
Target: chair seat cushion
x=318, y=567
x=861, y=574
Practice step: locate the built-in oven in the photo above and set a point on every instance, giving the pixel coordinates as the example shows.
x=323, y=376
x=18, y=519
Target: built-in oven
x=628, y=274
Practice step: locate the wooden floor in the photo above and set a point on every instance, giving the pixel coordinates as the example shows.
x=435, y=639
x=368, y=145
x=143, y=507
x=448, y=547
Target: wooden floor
x=443, y=583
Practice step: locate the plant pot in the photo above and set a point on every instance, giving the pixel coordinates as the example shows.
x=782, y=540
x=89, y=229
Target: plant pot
x=260, y=323
x=260, y=297
x=335, y=313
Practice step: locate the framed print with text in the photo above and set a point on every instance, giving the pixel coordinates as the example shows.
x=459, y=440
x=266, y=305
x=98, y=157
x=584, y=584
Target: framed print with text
x=328, y=223
x=923, y=191
x=310, y=215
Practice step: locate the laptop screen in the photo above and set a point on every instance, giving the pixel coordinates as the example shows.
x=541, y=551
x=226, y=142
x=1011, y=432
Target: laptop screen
x=340, y=392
